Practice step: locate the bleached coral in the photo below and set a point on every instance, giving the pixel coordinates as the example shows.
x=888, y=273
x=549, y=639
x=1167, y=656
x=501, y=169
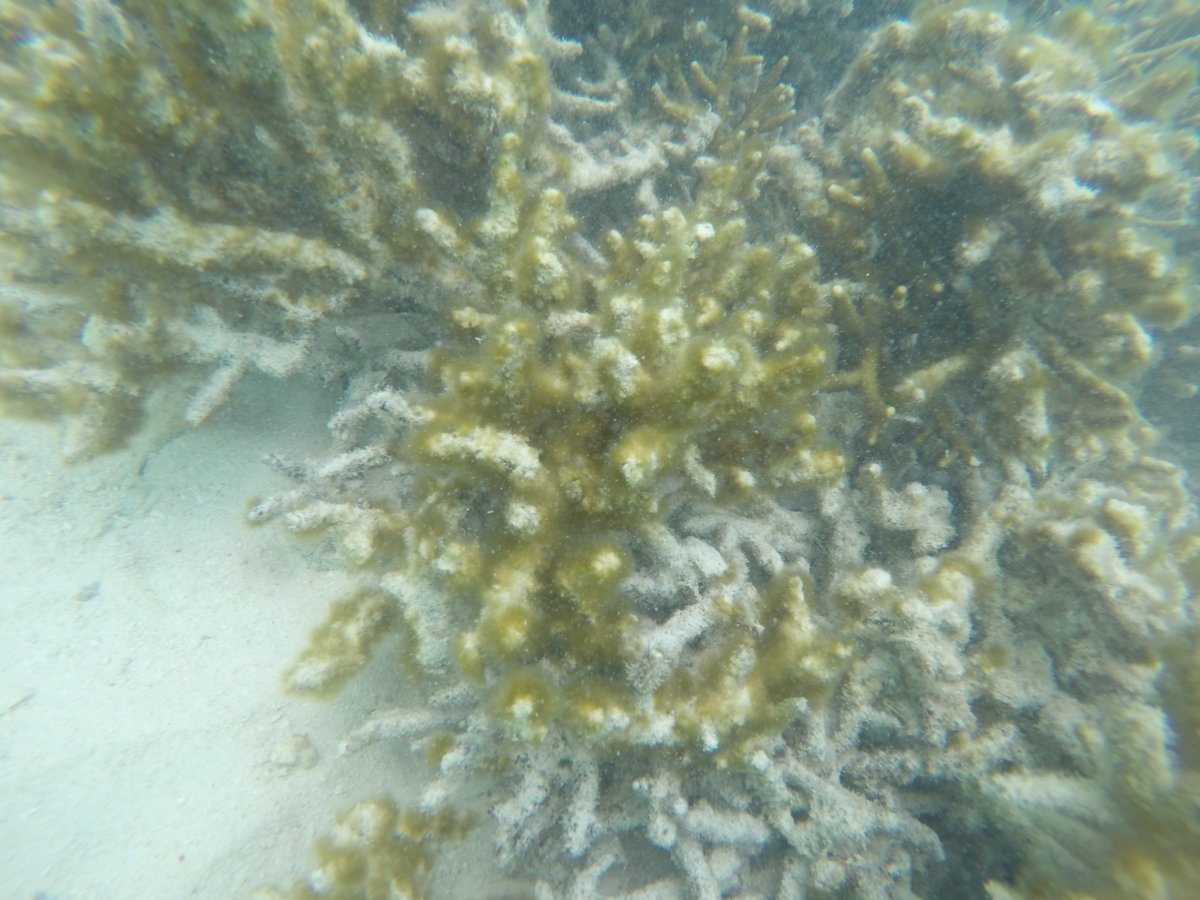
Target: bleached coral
x=765, y=501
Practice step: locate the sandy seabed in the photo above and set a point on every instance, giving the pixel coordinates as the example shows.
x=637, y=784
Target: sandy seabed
x=146, y=746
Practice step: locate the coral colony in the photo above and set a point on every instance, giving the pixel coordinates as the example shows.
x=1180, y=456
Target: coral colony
x=737, y=409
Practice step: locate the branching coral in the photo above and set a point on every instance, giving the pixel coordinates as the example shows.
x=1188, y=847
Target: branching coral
x=977, y=199
x=764, y=500
x=188, y=192
x=376, y=851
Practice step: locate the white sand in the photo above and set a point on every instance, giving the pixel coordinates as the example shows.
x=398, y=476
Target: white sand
x=146, y=747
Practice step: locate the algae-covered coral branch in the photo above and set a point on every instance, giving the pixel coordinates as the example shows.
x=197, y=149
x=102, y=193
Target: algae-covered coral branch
x=570, y=412
x=760, y=496
x=981, y=203
x=190, y=191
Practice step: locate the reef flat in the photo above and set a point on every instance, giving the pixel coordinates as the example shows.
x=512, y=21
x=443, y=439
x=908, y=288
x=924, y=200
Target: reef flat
x=739, y=410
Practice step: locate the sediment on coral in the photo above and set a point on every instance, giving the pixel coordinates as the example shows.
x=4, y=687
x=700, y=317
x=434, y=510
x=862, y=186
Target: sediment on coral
x=751, y=455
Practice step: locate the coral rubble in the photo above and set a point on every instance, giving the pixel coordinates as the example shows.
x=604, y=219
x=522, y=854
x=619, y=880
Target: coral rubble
x=758, y=482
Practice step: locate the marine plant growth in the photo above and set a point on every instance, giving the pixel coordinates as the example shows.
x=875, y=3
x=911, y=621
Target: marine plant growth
x=748, y=453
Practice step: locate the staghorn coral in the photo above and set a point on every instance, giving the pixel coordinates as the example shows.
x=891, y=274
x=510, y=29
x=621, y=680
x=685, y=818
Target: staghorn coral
x=376, y=850
x=188, y=194
x=721, y=470
x=977, y=200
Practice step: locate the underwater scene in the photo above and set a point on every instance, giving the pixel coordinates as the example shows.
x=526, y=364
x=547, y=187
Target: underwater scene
x=496, y=449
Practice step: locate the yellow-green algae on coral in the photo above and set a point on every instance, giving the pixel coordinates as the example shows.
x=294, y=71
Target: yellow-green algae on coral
x=568, y=411
x=376, y=852
x=563, y=430
x=985, y=223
